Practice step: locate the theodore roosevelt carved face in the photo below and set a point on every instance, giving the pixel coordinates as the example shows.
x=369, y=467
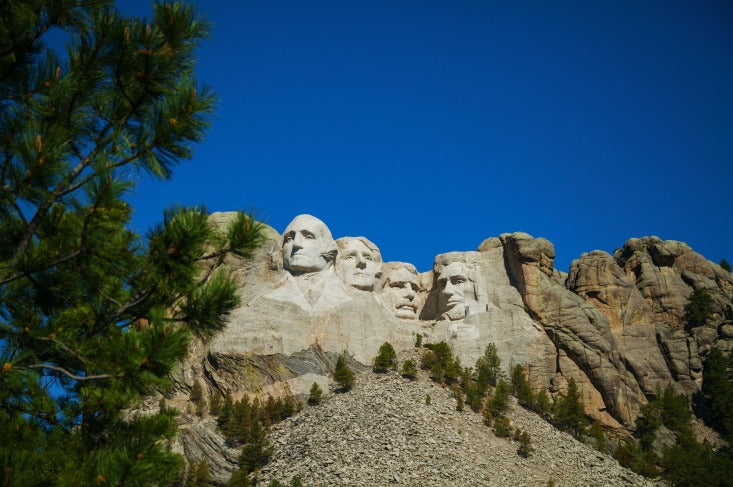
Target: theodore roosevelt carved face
x=401, y=291
x=307, y=245
x=358, y=262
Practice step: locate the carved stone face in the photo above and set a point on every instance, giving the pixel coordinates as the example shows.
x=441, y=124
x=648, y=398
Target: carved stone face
x=307, y=245
x=400, y=293
x=456, y=291
x=356, y=264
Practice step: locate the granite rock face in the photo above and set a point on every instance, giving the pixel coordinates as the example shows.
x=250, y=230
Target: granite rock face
x=613, y=324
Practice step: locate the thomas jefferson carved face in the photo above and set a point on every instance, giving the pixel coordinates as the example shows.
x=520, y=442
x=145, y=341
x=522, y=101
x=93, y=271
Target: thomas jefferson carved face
x=456, y=291
x=307, y=245
x=401, y=293
x=357, y=264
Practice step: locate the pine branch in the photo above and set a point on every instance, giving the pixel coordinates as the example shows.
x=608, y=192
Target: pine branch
x=54, y=263
x=71, y=375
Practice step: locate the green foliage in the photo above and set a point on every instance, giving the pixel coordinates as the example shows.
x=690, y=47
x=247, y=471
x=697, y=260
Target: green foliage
x=542, y=404
x=199, y=476
x=386, y=359
x=216, y=403
x=316, y=393
x=488, y=369
x=598, y=436
x=428, y=399
x=630, y=455
x=458, y=394
x=438, y=359
x=409, y=369
x=89, y=309
x=418, y=340
x=568, y=411
x=343, y=375
x=525, y=445
x=498, y=403
x=520, y=387
x=696, y=464
x=715, y=403
x=257, y=450
x=502, y=427
x=699, y=308
x=725, y=265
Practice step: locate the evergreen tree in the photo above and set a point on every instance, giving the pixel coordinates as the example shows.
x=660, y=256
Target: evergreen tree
x=386, y=359
x=215, y=403
x=716, y=405
x=199, y=476
x=89, y=309
x=525, y=445
x=542, y=404
x=568, y=411
x=520, y=387
x=316, y=393
x=488, y=368
x=725, y=265
x=343, y=375
x=409, y=369
x=498, y=403
x=699, y=308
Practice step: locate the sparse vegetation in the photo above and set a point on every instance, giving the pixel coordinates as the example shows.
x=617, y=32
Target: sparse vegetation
x=438, y=360
x=699, y=309
x=316, y=393
x=498, y=403
x=520, y=387
x=343, y=375
x=418, y=340
x=525, y=445
x=502, y=427
x=386, y=359
x=488, y=369
x=409, y=369
x=568, y=412
x=428, y=399
x=725, y=265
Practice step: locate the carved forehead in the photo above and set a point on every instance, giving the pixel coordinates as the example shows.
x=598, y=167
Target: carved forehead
x=311, y=224
x=454, y=269
x=359, y=244
x=402, y=274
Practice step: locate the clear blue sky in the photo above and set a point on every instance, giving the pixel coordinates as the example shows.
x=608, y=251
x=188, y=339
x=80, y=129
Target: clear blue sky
x=429, y=126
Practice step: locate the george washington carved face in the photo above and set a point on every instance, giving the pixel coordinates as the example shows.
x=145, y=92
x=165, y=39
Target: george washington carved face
x=307, y=245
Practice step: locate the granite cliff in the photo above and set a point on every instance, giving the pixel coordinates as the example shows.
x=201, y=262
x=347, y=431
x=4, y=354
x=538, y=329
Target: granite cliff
x=614, y=323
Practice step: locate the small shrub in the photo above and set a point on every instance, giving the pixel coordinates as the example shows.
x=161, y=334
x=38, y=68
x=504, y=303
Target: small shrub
x=488, y=368
x=525, y=445
x=520, y=387
x=418, y=340
x=428, y=399
x=542, y=404
x=199, y=476
x=599, y=437
x=502, y=427
x=499, y=401
x=409, y=369
x=725, y=265
x=295, y=482
x=458, y=394
x=488, y=417
x=386, y=359
x=316, y=393
x=215, y=403
x=343, y=375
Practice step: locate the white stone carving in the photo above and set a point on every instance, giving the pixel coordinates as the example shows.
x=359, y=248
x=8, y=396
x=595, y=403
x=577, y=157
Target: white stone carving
x=358, y=263
x=401, y=291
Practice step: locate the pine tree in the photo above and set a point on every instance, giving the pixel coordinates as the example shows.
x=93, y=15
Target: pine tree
x=725, y=265
x=409, y=369
x=520, y=387
x=343, y=375
x=498, y=403
x=90, y=310
x=525, y=445
x=699, y=308
x=199, y=476
x=315, y=395
x=569, y=412
x=488, y=368
x=386, y=359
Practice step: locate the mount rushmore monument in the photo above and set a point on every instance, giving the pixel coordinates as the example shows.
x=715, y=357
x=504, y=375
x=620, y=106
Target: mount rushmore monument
x=614, y=323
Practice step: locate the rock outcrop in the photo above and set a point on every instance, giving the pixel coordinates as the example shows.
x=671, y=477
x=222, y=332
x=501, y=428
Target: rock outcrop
x=613, y=324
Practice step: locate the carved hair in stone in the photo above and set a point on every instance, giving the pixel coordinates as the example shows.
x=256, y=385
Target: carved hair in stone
x=401, y=291
x=358, y=263
x=307, y=246
x=459, y=288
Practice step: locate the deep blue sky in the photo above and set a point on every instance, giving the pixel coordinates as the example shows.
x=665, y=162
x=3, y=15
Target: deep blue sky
x=429, y=126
